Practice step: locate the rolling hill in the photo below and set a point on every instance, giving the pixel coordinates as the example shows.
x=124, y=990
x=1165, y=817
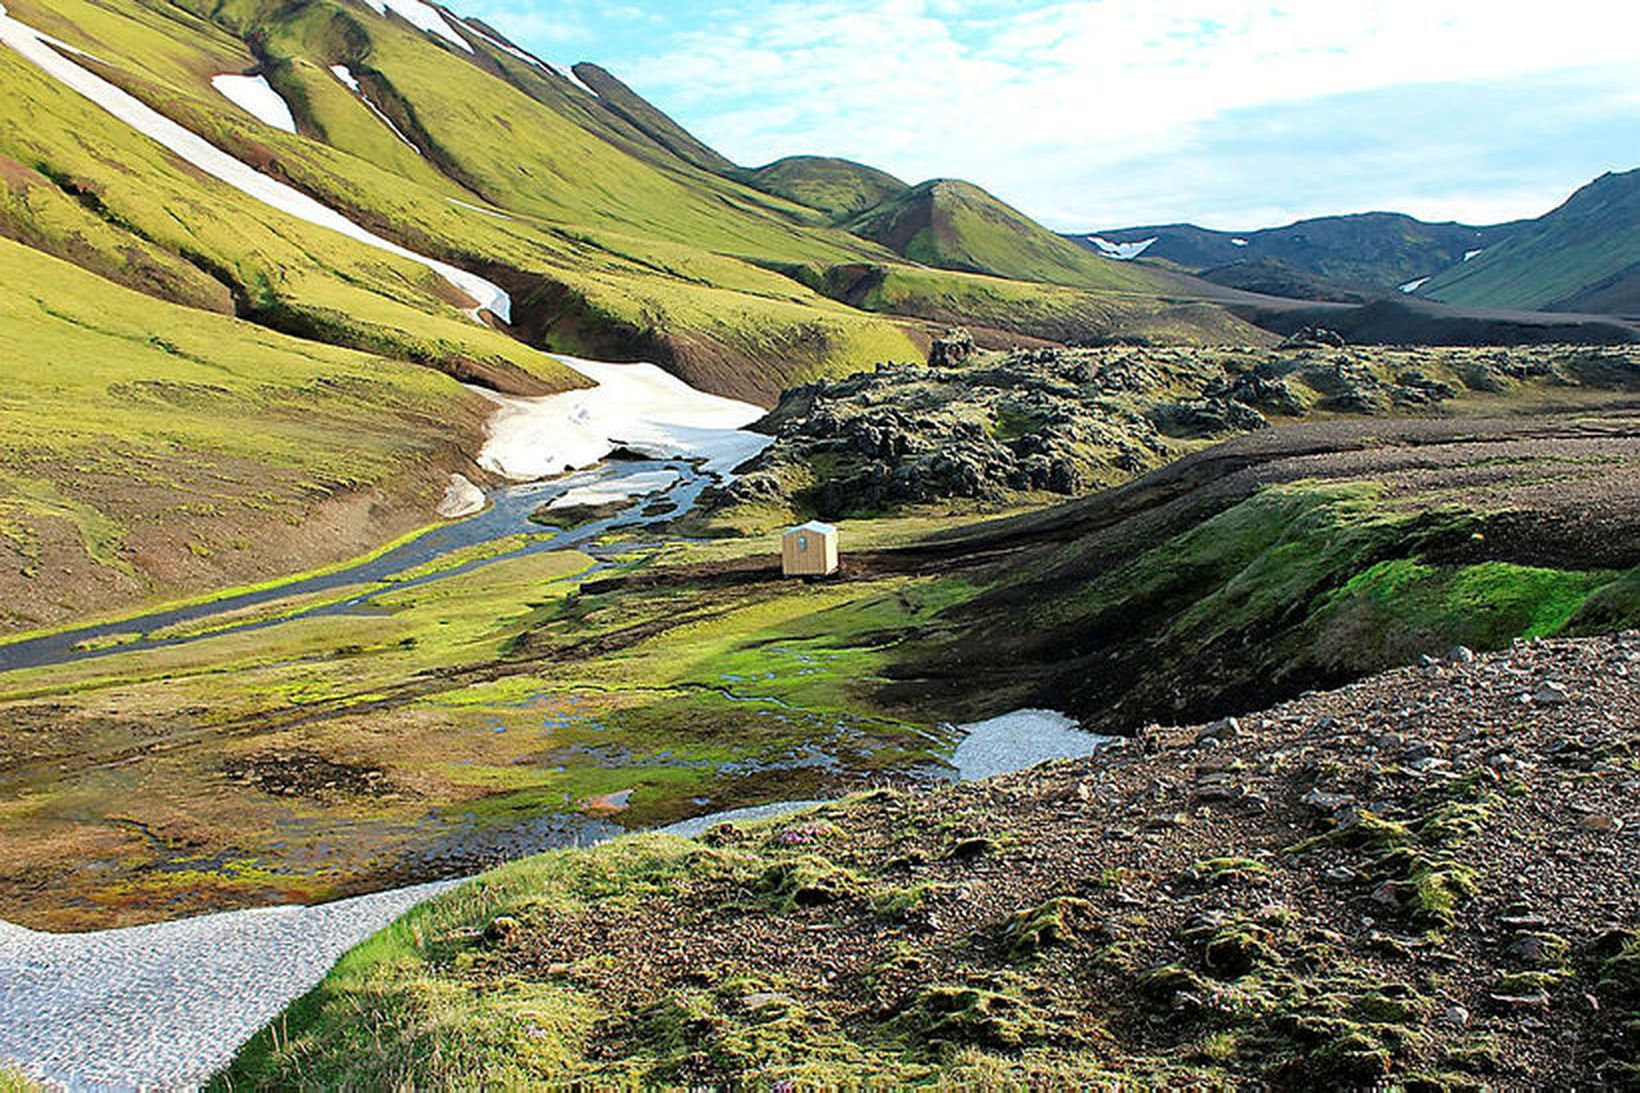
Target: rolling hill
x=955, y=225
x=838, y=187
x=1583, y=256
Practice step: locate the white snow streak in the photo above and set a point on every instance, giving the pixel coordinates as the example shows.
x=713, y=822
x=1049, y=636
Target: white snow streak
x=1238, y=242
x=256, y=97
x=565, y=73
x=1413, y=286
x=422, y=17
x=635, y=406
x=344, y=74
x=1121, y=252
x=477, y=208
x=1468, y=254
x=220, y=165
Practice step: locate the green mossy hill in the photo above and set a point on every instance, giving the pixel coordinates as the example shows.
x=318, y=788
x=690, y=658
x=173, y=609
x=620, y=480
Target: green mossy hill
x=1294, y=558
x=154, y=450
x=1583, y=256
x=1423, y=942
x=958, y=226
x=839, y=188
x=995, y=429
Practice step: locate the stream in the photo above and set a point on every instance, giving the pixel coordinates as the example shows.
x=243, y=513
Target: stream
x=507, y=515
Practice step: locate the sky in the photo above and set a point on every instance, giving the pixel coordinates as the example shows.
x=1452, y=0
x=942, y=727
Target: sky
x=1093, y=114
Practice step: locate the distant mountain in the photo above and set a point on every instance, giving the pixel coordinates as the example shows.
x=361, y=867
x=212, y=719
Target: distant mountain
x=1272, y=277
x=1583, y=256
x=1366, y=251
x=958, y=226
x=839, y=187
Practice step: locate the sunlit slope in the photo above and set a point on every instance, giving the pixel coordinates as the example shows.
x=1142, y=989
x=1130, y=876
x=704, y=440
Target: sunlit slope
x=625, y=255
x=838, y=187
x=1583, y=256
x=958, y=226
x=151, y=448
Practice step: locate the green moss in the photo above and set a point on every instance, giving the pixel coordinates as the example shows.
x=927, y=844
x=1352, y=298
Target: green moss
x=942, y=1016
x=1030, y=931
x=1227, y=871
x=807, y=881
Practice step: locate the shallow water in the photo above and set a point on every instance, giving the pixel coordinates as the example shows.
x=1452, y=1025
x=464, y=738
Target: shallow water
x=507, y=515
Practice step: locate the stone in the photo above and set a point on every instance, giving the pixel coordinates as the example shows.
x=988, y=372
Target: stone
x=1323, y=801
x=1227, y=728
x=951, y=349
x=1460, y=654
x=1455, y=1017
x=1601, y=822
x=1551, y=694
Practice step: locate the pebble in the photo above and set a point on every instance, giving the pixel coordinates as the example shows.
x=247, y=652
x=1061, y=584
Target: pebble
x=1456, y=1017
x=1551, y=694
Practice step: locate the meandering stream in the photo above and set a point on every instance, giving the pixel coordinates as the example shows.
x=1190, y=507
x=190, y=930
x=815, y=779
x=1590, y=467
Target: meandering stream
x=506, y=516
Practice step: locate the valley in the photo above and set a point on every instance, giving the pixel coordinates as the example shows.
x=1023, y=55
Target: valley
x=1227, y=682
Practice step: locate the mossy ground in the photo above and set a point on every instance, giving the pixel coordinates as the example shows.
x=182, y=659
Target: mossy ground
x=795, y=951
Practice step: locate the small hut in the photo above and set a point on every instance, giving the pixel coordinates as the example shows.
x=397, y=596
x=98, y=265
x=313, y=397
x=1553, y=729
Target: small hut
x=809, y=550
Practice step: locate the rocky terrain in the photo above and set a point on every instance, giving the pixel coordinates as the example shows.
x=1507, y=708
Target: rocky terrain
x=1426, y=880
x=993, y=428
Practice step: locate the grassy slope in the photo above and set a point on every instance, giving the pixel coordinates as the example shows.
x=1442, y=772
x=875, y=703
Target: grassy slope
x=958, y=226
x=838, y=187
x=149, y=445
x=1554, y=261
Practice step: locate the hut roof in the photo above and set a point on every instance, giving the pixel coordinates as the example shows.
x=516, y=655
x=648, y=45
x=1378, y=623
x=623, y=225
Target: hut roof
x=815, y=526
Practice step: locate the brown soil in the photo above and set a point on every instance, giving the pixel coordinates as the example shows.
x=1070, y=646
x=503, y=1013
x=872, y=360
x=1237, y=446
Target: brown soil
x=1270, y=867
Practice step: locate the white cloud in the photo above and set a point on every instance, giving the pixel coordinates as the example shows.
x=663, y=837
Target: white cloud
x=1045, y=102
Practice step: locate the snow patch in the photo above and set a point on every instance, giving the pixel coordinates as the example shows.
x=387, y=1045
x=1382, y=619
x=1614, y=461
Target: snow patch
x=1413, y=286
x=256, y=97
x=423, y=17
x=1121, y=252
x=218, y=164
x=1238, y=242
x=616, y=489
x=636, y=406
x=1468, y=254
x=345, y=74
x=165, y=1006
x=461, y=498
x=569, y=74
x=477, y=208
x=1019, y=740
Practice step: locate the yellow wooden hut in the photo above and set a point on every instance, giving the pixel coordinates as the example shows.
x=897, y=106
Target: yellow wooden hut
x=809, y=550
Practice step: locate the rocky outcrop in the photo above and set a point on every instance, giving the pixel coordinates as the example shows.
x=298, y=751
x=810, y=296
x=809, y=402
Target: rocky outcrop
x=994, y=428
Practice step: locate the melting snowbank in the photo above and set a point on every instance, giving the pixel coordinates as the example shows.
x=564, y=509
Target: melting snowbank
x=421, y=16
x=220, y=165
x=461, y=498
x=256, y=97
x=1120, y=252
x=636, y=406
x=616, y=489
x=165, y=1006
x=1018, y=740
